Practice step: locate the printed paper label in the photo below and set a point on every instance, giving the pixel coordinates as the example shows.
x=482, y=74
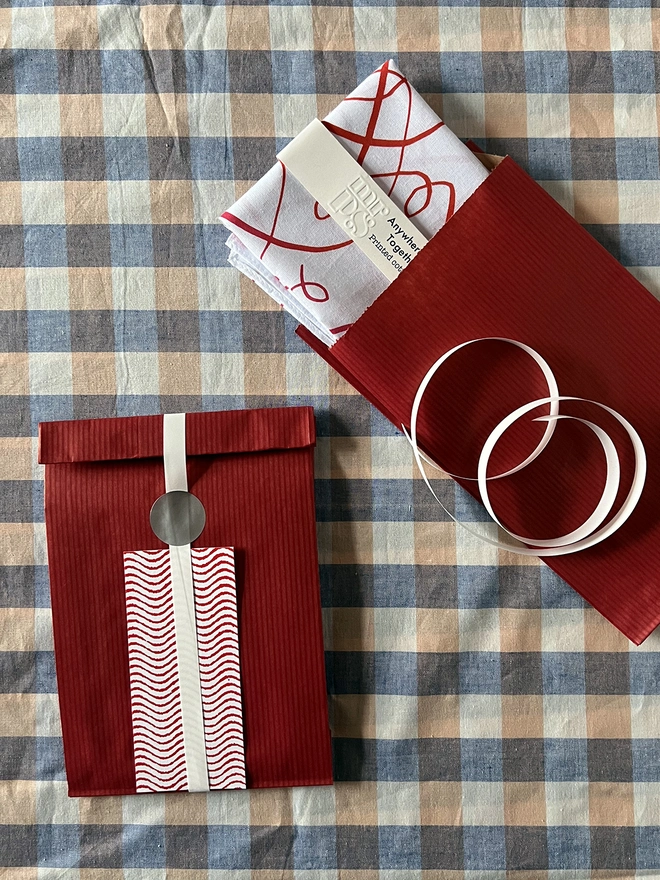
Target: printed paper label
x=355, y=202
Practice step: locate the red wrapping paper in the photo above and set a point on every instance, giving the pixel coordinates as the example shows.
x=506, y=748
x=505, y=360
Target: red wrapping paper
x=512, y=263
x=254, y=473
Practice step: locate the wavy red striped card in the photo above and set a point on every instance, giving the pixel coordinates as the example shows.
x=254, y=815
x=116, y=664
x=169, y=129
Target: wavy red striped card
x=155, y=674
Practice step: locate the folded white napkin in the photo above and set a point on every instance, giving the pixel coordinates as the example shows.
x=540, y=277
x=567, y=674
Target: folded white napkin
x=285, y=242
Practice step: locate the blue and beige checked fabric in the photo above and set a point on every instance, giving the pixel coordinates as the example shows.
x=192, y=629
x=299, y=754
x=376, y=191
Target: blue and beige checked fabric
x=487, y=724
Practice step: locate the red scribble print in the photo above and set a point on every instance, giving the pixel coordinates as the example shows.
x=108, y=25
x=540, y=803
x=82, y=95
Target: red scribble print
x=280, y=242
x=316, y=212
x=405, y=135
x=375, y=113
x=381, y=95
x=451, y=201
x=305, y=286
x=380, y=142
x=270, y=237
x=340, y=329
x=370, y=141
x=277, y=210
x=402, y=81
x=427, y=187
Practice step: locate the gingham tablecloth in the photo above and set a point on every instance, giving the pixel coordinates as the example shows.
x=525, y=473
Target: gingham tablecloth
x=486, y=723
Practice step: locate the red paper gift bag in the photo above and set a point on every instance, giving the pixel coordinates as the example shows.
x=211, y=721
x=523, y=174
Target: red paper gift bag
x=512, y=263
x=253, y=472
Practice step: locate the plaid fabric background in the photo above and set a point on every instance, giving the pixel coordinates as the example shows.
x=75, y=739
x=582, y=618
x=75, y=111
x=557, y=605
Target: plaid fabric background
x=486, y=722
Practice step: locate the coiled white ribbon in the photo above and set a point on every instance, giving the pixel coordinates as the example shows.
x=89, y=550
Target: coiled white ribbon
x=591, y=531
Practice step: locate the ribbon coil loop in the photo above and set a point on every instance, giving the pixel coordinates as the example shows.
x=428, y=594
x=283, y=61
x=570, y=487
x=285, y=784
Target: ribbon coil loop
x=591, y=531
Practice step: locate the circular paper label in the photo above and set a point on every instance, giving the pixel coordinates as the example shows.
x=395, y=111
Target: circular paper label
x=177, y=518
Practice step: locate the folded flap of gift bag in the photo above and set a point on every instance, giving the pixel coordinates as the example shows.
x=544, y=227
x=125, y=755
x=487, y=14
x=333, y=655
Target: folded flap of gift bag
x=254, y=577
x=207, y=433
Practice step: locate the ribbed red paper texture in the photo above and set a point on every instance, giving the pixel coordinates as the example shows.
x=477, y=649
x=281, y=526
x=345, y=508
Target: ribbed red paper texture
x=258, y=492
x=513, y=263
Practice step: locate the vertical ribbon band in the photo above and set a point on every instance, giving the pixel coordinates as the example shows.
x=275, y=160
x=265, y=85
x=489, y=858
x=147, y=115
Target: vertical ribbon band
x=176, y=480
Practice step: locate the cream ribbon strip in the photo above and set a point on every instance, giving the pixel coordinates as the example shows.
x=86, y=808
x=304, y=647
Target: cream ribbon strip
x=586, y=535
x=176, y=480
x=351, y=197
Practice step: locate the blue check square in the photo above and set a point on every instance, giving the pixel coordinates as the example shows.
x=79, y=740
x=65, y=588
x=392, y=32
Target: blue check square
x=211, y=159
x=293, y=73
x=566, y=760
x=126, y=158
x=131, y=244
x=392, y=500
x=549, y=158
x=461, y=72
x=143, y=846
x=394, y=586
x=478, y=586
x=207, y=71
x=58, y=846
x=546, y=72
x=49, y=758
x=479, y=672
x=314, y=848
x=399, y=847
x=45, y=245
x=481, y=760
x=229, y=847
x=135, y=330
x=138, y=404
x=569, y=848
x=555, y=593
x=397, y=760
x=647, y=846
x=396, y=672
x=640, y=243
x=210, y=246
x=46, y=683
x=637, y=158
x=40, y=158
x=634, y=72
x=484, y=848
x=122, y=71
x=48, y=330
x=220, y=331
x=41, y=586
x=563, y=672
x=35, y=71
x=646, y=760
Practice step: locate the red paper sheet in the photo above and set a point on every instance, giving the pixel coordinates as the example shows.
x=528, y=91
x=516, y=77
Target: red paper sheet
x=254, y=473
x=513, y=263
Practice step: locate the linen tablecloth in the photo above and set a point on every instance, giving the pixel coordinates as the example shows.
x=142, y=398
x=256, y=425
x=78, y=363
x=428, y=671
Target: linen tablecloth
x=486, y=722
